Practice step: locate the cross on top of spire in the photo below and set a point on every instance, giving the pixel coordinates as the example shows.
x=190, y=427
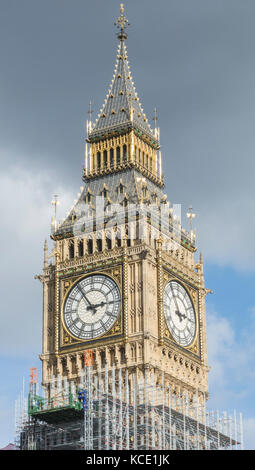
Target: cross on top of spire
x=121, y=23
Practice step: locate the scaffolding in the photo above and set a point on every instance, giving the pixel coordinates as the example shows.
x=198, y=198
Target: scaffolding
x=102, y=411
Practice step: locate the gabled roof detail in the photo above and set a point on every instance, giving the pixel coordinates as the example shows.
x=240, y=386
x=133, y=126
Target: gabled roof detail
x=121, y=108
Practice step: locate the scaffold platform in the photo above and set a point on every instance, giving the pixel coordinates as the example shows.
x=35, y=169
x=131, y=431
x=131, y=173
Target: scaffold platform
x=103, y=413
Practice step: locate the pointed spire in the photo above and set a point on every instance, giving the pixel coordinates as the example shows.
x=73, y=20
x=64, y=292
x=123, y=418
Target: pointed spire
x=121, y=109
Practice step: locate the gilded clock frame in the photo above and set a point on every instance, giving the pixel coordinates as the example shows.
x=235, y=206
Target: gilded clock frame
x=193, y=347
x=110, y=334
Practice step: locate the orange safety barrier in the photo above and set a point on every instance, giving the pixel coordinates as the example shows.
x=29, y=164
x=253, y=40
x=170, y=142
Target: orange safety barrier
x=32, y=375
x=88, y=358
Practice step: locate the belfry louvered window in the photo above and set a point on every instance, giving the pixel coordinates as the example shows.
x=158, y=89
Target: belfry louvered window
x=71, y=250
x=111, y=158
x=80, y=248
x=90, y=246
x=124, y=152
x=118, y=155
x=99, y=244
x=98, y=161
x=109, y=243
x=105, y=159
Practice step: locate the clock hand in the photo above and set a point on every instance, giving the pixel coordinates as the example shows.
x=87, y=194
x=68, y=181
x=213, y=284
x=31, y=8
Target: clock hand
x=84, y=295
x=180, y=315
x=175, y=301
x=91, y=307
x=104, y=303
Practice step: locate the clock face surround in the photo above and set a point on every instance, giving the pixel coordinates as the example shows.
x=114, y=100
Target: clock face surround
x=91, y=307
x=179, y=313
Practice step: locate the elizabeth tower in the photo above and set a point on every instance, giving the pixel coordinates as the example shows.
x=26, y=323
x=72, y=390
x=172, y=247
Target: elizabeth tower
x=124, y=283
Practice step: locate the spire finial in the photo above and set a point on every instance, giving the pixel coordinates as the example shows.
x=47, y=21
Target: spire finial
x=191, y=216
x=155, y=119
x=89, y=122
x=90, y=111
x=55, y=203
x=121, y=23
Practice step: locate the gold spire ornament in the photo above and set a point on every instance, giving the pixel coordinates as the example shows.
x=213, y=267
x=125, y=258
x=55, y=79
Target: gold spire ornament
x=121, y=23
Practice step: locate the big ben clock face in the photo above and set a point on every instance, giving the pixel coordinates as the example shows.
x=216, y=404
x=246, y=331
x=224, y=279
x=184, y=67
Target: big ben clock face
x=179, y=313
x=91, y=307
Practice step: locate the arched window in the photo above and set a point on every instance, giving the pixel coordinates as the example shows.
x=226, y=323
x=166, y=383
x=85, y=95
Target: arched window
x=71, y=250
x=118, y=238
x=99, y=244
x=111, y=158
x=118, y=155
x=124, y=153
x=88, y=198
x=105, y=159
x=151, y=164
x=143, y=159
x=90, y=246
x=109, y=243
x=80, y=248
x=139, y=152
x=98, y=161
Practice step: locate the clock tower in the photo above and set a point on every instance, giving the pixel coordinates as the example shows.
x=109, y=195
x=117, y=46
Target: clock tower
x=124, y=284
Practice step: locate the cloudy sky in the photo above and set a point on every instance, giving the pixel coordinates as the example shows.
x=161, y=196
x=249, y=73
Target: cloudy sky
x=193, y=60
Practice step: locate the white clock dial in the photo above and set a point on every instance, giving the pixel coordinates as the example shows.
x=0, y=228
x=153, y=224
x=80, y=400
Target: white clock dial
x=179, y=313
x=92, y=306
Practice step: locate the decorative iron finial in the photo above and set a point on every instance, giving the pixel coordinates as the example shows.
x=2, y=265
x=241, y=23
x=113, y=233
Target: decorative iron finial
x=90, y=111
x=55, y=203
x=155, y=118
x=191, y=215
x=89, y=122
x=121, y=23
